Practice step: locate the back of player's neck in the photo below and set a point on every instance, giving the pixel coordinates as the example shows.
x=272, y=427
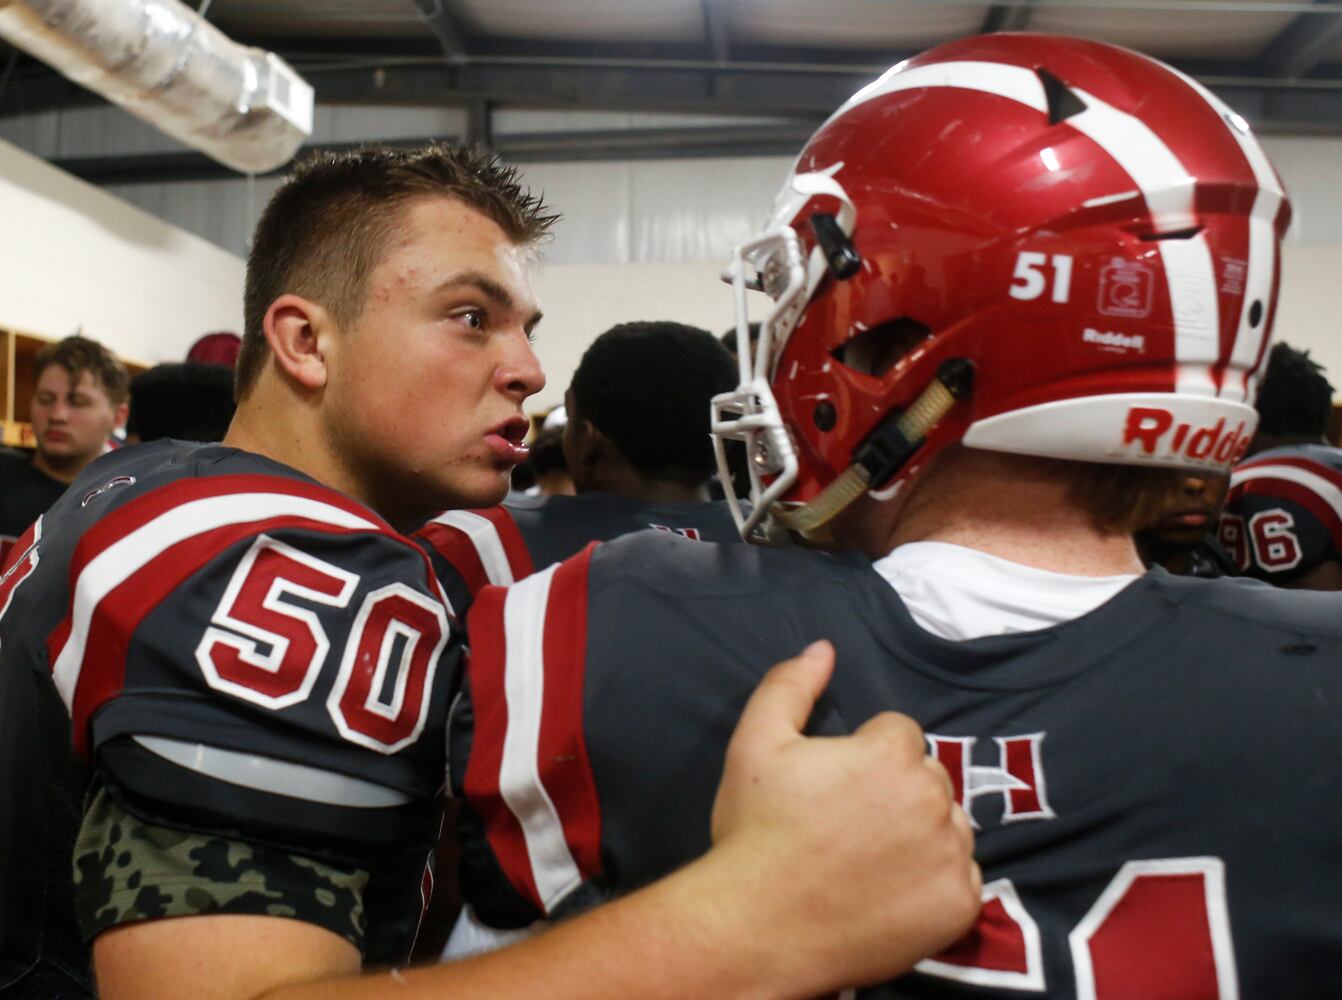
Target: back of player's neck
x=1076, y=553
x=1045, y=532
x=625, y=481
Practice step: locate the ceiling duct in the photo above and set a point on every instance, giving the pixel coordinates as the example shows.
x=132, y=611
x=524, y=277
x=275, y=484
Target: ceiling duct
x=165, y=63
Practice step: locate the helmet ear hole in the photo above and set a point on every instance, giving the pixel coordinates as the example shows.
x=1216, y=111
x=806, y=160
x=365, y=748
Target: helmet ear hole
x=877, y=350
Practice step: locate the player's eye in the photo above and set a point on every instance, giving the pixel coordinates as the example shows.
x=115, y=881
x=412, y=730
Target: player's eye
x=473, y=318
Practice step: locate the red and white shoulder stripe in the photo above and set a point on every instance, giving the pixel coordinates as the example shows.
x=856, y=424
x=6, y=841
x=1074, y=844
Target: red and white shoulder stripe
x=20, y=559
x=485, y=546
x=529, y=777
x=1312, y=485
x=136, y=555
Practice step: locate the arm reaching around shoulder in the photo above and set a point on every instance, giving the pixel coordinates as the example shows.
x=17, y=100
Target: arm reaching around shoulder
x=878, y=857
x=879, y=874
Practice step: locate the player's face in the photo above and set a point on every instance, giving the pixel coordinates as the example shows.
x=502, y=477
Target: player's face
x=426, y=387
x=72, y=418
x=1193, y=512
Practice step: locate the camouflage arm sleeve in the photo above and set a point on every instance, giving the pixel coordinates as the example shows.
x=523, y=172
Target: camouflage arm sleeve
x=126, y=870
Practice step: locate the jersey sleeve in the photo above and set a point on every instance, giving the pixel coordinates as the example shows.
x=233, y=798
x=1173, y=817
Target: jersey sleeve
x=530, y=824
x=126, y=870
x=270, y=666
x=1283, y=517
x=589, y=738
x=473, y=549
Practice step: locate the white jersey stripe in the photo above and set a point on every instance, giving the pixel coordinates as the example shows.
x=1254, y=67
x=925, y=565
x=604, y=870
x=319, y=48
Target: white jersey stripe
x=119, y=561
x=298, y=781
x=1321, y=487
x=552, y=865
x=488, y=545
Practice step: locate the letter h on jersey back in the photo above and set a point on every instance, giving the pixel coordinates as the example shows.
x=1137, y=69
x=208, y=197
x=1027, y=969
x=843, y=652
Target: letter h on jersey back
x=1018, y=776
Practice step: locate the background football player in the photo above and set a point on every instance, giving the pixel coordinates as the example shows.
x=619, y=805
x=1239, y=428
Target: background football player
x=1021, y=285
x=1283, y=516
x=258, y=664
x=637, y=446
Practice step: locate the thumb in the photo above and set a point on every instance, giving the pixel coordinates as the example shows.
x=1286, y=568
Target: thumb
x=781, y=704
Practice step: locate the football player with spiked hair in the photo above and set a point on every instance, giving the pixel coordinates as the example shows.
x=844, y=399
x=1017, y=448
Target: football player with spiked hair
x=1020, y=286
x=225, y=672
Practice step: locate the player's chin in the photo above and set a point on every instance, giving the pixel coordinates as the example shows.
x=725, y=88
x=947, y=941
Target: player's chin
x=483, y=488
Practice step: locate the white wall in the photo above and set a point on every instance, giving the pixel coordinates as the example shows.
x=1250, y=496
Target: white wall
x=75, y=257
x=580, y=301
x=1309, y=312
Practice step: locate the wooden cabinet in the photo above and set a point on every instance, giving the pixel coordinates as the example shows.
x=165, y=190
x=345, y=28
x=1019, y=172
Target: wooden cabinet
x=18, y=351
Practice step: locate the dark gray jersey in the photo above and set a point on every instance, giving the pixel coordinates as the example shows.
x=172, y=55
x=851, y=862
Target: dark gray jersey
x=242, y=651
x=1155, y=784
x=472, y=549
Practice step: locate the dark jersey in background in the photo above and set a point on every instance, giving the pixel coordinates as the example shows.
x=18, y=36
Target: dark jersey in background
x=25, y=494
x=471, y=549
x=243, y=652
x=1155, y=784
x=1283, y=514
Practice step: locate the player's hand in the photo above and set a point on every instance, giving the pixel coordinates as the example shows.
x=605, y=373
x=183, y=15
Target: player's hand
x=864, y=863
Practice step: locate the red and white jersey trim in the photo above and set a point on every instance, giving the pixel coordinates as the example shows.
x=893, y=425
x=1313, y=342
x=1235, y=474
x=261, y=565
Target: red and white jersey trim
x=486, y=546
x=114, y=565
x=529, y=776
x=1322, y=485
x=552, y=865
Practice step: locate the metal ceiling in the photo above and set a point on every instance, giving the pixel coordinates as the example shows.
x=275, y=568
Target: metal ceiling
x=1279, y=62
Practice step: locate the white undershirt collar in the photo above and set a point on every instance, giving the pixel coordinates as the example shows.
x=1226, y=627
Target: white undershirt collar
x=961, y=593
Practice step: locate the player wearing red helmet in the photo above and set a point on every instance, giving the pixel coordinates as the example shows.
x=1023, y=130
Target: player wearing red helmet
x=1088, y=235
x=1020, y=286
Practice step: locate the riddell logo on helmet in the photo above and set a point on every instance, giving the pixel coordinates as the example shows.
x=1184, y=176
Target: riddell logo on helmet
x=1156, y=433
x=1115, y=341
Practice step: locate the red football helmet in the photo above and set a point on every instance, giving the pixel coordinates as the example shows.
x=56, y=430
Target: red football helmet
x=1026, y=243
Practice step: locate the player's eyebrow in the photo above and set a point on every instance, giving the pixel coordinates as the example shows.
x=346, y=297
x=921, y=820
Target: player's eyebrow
x=490, y=288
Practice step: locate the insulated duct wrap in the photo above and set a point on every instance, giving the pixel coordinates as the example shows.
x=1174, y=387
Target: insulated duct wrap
x=161, y=61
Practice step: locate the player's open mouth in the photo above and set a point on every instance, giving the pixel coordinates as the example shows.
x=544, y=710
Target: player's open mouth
x=507, y=440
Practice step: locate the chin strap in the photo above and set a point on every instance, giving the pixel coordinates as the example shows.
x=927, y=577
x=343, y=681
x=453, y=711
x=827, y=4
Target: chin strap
x=886, y=449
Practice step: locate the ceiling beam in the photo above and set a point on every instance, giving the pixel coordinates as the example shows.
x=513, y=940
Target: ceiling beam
x=480, y=124
x=1301, y=46
x=781, y=139
x=435, y=15
x=715, y=30
x=689, y=90
x=1008, y=17
x=787, y=83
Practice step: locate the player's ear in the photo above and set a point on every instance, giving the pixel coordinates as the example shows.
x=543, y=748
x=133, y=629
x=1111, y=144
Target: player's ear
x=579, y=437
x=292, y=326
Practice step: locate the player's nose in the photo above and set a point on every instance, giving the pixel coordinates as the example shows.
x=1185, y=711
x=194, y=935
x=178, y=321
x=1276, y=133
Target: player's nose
x=519, y=371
